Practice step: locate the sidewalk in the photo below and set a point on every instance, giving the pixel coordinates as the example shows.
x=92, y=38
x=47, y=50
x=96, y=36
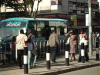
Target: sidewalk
x=56, y=68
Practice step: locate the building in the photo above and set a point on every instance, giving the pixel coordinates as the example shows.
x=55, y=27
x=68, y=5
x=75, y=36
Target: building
x=64, y=8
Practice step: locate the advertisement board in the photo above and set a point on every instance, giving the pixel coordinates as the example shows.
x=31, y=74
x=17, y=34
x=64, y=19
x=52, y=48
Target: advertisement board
x=87, y=19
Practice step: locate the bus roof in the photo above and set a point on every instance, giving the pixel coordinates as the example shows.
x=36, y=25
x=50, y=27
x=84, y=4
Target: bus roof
x=32, y=19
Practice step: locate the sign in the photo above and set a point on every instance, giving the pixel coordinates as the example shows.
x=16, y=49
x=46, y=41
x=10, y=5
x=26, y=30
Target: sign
x=45, y=9
x=57, y=23
x=52, y=23
x=74, y=20
x=15, y=24
x=87, y=19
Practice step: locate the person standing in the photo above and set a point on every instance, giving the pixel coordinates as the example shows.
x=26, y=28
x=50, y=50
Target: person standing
x=13, y=48
x=21, y=40
x=53, y=42
x=32, y=48
x=72, y=43
x=82, y=36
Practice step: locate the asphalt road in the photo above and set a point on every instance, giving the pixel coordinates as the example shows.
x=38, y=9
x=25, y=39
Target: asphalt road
x=88, y=71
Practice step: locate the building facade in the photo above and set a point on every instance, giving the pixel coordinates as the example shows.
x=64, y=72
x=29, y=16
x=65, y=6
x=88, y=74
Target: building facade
x=64, y=9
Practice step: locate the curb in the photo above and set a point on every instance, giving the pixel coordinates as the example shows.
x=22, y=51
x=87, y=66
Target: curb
x=69, y=70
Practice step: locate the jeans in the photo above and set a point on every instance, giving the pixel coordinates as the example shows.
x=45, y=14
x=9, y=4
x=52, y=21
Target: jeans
x=30, y=56
x=54, y=52
x=20, y=57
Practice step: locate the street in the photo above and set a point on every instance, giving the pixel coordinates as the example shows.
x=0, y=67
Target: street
x=88, y=71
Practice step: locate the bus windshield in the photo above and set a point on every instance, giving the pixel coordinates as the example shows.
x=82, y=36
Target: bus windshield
x=8, y=29
x=8, y=33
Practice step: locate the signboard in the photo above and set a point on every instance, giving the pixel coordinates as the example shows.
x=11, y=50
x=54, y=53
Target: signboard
x=56, y=2
x=55, y=23
x=14, y=24
x=52, y=23
x=45, y=9
x=87, y=19
x=74, y=19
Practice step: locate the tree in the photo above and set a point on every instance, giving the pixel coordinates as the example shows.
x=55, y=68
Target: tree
x=23, y=6
x=1, y=3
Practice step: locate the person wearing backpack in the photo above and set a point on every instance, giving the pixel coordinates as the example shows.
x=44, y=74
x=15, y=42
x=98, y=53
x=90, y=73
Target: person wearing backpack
x=54, y=42
x=32, y=48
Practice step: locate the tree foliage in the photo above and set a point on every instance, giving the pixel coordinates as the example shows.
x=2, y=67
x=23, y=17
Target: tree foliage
x=23, y=5
x=2, y=2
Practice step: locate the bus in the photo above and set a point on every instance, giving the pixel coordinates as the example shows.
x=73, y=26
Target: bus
x=41, y=28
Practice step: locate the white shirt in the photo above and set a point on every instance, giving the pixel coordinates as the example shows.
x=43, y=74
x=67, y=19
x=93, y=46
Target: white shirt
x=83, y=40
x=20, y=40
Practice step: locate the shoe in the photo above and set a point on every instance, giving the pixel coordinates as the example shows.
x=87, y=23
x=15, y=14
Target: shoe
x=87, y=60
x=34, y=66
x=54, y=61
x=70, y=60
x=79, y=61
x=29, y=68
x=74, y=59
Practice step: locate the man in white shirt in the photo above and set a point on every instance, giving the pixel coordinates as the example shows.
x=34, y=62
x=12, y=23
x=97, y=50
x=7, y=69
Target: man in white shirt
x=20, y=40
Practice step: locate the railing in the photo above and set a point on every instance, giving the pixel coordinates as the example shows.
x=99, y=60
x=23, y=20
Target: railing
x=6, y=52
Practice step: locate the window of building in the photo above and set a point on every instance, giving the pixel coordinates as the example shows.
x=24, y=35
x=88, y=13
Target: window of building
x=70, y=2
x=95, y=6
x=78, y=4
x=82, y=4
x=86, y=5
x=82, y=11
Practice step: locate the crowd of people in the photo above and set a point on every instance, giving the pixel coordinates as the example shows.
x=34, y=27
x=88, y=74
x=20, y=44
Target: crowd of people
x=29, y=40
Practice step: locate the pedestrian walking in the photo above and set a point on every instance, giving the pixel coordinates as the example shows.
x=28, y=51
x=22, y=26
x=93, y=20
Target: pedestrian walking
x=21, y=43
x=53, y=42
x=72, y=43
x=82, y=36
x=13, y=48
x=32, y=49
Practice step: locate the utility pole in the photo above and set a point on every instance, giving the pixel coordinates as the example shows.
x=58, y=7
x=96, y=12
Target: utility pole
x=0, y=12
x=68, y=18
x=90, y=27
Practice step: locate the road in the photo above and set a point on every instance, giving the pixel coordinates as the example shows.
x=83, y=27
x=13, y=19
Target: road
x=88, y=71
